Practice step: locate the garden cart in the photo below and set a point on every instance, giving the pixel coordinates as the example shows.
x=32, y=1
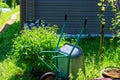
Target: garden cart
x=68, y=58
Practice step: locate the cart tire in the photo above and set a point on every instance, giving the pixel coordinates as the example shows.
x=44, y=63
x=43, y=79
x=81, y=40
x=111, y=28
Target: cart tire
x=48, y=76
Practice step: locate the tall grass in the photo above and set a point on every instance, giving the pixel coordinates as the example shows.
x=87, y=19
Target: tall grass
x=93, y=66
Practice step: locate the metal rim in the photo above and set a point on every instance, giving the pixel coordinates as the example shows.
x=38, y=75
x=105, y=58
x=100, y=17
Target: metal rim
x=48, y=76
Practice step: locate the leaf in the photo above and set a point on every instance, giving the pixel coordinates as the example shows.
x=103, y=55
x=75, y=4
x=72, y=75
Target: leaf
x=100, y=4
x=103, y=9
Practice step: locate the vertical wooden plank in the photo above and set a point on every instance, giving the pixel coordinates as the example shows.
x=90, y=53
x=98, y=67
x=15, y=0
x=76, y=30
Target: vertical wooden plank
x=22, y=12
x=30, y=10
x=53, y=11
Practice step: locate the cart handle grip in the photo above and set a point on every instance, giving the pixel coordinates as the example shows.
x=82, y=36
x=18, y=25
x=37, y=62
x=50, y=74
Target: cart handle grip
x=66, y=17
x=85, y=22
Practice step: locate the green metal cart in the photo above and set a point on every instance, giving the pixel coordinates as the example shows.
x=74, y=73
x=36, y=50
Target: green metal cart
x=68, y=59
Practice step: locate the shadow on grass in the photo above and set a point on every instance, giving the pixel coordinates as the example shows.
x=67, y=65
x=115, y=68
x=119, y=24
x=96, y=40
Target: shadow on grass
x=23, y=77
x=6, y=39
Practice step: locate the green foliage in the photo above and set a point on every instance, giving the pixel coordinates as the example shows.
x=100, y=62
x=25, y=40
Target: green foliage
x=101, y=4
x=93, y=68
x=115, y=21
x=6, y=38
x=81, y=75
x=93, y=65
x=3, y=5
x=8, y=69
x=9, y=3
x=12, y=3
x=18, y=2
x=4, y=17
x=27, y=47
x=0, y=12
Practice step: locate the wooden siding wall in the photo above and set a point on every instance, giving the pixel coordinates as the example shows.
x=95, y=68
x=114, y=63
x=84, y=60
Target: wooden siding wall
x=53, y=11
x=30, y=9
x=26, y=10
x=22, y=12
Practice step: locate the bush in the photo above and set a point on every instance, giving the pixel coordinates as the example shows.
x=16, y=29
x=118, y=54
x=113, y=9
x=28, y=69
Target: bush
x=18, y=2
x=8, y=69
x=27, y=47
x=4, y=5
x=9, y=3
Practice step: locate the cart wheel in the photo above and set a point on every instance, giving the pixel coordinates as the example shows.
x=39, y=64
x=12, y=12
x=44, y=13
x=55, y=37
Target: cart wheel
x=48, y=76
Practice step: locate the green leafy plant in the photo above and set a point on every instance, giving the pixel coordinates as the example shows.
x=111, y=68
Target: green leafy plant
x=9, y=3
x=8, y=69
x=82, y=77
x=30, y=43
x=4, y=5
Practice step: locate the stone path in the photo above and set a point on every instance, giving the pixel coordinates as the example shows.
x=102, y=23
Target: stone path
x=9, y=22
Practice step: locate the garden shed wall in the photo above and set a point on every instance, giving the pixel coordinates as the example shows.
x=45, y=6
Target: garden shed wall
x=53, y=11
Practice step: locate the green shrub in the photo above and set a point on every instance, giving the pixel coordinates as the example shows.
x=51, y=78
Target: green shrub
x=9, y=3
x=8, y=69
x=4, y=5
x=18, y=2
x=0, y=12
x=27, y=47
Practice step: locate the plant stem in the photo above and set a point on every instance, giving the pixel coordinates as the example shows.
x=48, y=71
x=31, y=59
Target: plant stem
x=102, y=41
